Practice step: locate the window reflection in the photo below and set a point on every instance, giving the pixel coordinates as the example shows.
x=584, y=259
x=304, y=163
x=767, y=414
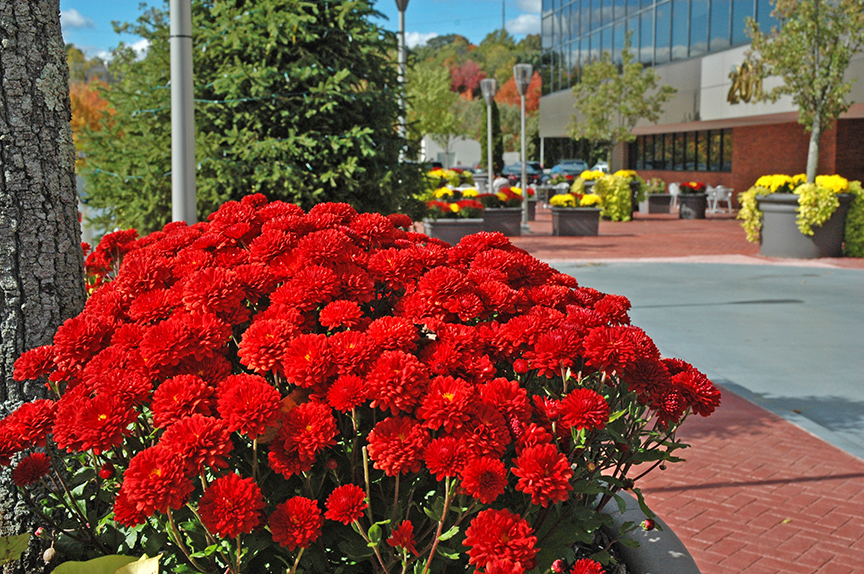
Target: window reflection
x=720, y=11
x=680, y=24
x=707, y=150
x=698, y=27
x=646, y=25
x=741, y=10
x=663, y=29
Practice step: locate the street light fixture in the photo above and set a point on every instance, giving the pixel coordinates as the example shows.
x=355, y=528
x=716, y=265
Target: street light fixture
x=522, y=75
x=183, y=201
x=402, y=5
x=488, y=87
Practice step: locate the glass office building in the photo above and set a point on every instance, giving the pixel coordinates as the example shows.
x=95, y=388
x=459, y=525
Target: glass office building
x=711, y=130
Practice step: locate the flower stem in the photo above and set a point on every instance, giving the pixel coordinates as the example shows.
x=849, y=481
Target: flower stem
x=179, y=541
x=447, y=500
x=296, y=562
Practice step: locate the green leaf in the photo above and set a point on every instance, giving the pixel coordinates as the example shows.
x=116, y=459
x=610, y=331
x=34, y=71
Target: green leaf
x=374, y=535
x=144, y=565
x=102, y=565
x=615, y=416
x=628, y=542
x=449, y=534
x=11, y=547
x=448, y=554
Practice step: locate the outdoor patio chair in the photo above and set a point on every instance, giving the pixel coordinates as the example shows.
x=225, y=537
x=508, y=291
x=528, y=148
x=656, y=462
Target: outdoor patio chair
x=711, y=192
x=722, y=194
x=674, y=191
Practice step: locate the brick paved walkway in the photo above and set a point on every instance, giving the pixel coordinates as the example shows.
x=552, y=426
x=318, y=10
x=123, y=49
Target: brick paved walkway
x=757, y=494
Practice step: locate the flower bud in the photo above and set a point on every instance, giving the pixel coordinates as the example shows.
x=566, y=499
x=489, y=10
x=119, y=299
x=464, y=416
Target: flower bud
x=332, y=464
x=647, y=524
x=49, y=555
x=520, y=366
x=559, y=566
x=107, y=471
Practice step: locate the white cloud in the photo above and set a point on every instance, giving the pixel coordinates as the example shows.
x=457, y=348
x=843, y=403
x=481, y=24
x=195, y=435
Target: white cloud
x=524, y=24
x=413, y=39
x=140, y=47
x=531, y=6
x=72, y=18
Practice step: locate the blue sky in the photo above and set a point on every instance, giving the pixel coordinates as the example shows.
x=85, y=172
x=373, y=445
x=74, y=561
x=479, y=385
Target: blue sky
x=87, y=23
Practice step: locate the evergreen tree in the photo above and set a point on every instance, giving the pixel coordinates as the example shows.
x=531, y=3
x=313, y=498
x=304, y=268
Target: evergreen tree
x=297, y=100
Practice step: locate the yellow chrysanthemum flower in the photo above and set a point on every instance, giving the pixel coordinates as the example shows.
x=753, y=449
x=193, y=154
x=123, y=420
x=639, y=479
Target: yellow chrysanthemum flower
x=563, y=200
x=470, y=192
x=589, y=175
x=443, y=192
x=835, y=183
x=625, y=173
x=454, y=207
x=590, y=200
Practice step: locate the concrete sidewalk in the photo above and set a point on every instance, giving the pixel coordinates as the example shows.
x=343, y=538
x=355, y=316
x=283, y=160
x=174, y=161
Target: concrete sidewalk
x=774, y=481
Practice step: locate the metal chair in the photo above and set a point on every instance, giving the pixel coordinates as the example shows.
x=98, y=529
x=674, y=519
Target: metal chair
x=674, y=191
x=721, y=194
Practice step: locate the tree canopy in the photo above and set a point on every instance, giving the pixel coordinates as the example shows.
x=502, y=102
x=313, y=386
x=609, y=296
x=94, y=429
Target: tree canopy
x=810, y=51
x=297, y=100
x=611, y=100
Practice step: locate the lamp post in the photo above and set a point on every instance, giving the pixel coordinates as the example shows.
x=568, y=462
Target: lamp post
x=401, y=5
x=488, y=87
x=522, y=76
x=183, y=202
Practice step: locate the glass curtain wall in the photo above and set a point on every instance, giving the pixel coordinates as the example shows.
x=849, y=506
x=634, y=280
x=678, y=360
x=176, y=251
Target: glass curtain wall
x=575, y=32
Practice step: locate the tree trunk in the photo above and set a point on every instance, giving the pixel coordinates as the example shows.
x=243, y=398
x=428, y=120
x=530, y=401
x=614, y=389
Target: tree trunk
x=41, y=263
x=813, y=149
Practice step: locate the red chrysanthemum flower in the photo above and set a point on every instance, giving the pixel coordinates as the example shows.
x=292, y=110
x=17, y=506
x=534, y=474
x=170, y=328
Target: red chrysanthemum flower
x=156, y=481
x=347, y=392
x=341, y=313
x=500, y=535
x=79, y=339
x=614, y=308
x=213, y=290
x=31, y=469
x=507, y=397
x=394, y=266
x=346, y=504
x=504, y=567
x=127, y=513
x=644, y=375
x=587, y=566
x=308, y=429
x=101, y=422
x=352, y=351
x=486, y=433
x=445, y=456
x=393, y=334
x=448, y=403
x=544, y=473
x=669, y=403
x=396, y=382
x=265, y=342
x=584, y=409
x=611, y=348
x=532, y=435
x=484, y=478
x=249, y=404
x=179, y=397
x=34, y=363
x=555, y=352
x=33, y=421
x=200, y=442
x=166, y=343
x=396, y=445
x=699, y=392
x=403, y=537
x=296, y=523
x=307, y=361
x=151, y=306
x=231, y=506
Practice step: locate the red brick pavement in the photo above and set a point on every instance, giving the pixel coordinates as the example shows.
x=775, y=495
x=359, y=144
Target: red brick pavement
x=756, y=495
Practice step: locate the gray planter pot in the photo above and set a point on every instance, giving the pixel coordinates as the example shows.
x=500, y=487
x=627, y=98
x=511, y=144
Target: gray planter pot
x=692, y=205
x=658, y=203
x=532, y=209
x=507, y=220
x=452, y=230
x=575, y=221
x=659, y=551
x=780, y=236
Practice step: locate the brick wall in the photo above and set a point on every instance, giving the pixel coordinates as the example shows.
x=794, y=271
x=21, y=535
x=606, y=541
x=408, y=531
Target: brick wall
x=781, y=148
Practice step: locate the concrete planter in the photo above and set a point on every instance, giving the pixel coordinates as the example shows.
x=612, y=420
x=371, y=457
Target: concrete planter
x=692, y=205
x=659, y=551
x=507, y=220
x=532, y=209
x=780, y=236
x=575, y=221
x=452, y=230
x=656, y=203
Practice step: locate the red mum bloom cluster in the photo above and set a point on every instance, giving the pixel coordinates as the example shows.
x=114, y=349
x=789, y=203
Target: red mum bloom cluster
x=236, y=363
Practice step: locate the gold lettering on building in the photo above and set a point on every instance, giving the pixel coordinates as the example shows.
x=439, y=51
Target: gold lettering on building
x=746, y=84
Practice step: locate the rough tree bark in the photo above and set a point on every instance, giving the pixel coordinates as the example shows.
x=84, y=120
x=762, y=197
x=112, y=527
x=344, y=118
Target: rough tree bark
x=41, y=263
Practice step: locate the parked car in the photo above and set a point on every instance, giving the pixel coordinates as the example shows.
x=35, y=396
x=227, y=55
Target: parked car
x=569, y=168
x=602, y=166
x=513, y=172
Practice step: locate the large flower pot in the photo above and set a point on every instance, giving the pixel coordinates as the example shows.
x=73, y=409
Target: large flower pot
x=780, y=236
x=452, y=230
x=692, y=205
x=532, y=209
x=659, y=551
x=507, y=220
x=658, y=203
x=575, y=221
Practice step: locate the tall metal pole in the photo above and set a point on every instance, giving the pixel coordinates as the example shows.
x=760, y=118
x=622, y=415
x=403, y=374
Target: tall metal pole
x=522, y=77
x=183, y=200
x=487, y=88
x=401, y=5
x=524, y=162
